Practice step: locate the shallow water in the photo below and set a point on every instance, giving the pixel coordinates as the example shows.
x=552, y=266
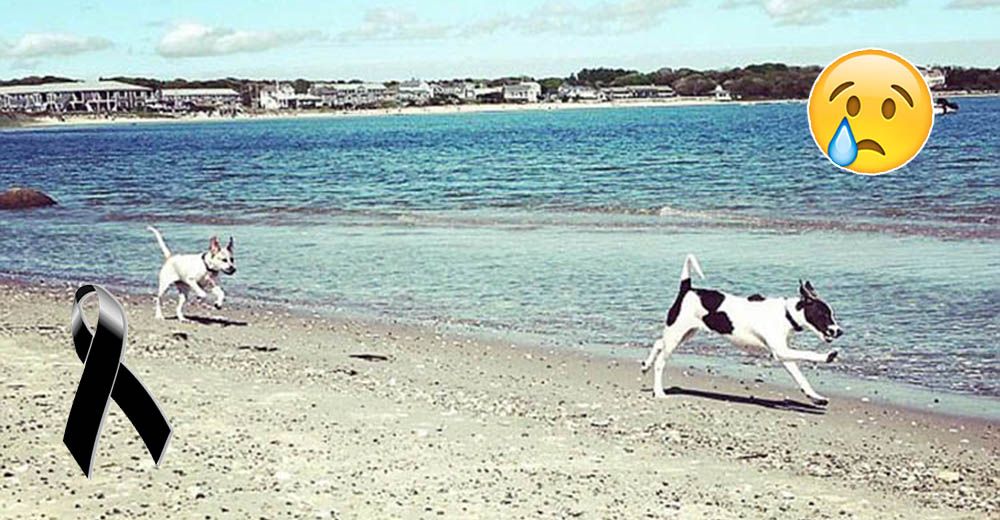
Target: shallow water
x=568, y=226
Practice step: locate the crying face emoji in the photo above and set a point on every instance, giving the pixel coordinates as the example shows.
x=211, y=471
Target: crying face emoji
x=870, y=111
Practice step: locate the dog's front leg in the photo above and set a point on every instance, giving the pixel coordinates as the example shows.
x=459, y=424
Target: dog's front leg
x=219, y=296
x=653, y=352
x=804, y=385
x=196, y=287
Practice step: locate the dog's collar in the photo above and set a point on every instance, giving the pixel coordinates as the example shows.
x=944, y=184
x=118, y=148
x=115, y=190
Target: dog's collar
x=213, y=271
x=795, y=326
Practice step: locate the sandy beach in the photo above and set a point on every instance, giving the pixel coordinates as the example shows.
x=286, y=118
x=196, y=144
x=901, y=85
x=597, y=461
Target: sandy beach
x=84, y=119
x=280, y=414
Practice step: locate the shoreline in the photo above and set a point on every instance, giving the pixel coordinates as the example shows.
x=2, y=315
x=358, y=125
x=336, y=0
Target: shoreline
x=451, y=425
x=90, y=120
x=731, y=364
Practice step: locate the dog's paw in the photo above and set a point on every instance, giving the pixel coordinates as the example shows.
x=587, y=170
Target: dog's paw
x=819, y=401
x=660, y=395
x=831, y=356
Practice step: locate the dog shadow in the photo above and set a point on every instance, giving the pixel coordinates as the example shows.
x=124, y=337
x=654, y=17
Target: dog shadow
x=210, y=320
x=788, y=405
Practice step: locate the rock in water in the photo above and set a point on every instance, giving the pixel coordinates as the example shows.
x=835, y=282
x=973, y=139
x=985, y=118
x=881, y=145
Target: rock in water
x=22, y=198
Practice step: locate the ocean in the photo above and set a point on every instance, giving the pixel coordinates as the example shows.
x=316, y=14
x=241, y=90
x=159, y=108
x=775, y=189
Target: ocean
x=566, y=228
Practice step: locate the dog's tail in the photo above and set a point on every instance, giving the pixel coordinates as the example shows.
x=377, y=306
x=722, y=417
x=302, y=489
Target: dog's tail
x=690, y=262
x=163, y=245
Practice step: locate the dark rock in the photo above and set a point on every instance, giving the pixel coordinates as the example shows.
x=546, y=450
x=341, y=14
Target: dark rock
x=22, y=198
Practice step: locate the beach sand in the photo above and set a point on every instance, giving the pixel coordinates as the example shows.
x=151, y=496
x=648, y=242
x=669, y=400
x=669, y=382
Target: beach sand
x=127, y=119
x=274, y=419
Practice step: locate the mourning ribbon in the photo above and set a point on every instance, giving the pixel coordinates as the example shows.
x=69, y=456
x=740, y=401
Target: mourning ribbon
x=105, y=377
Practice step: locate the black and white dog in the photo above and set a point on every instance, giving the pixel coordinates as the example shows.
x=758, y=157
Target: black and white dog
x=754, y=321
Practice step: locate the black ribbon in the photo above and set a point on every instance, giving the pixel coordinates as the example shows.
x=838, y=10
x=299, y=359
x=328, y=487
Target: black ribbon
x=106, y=377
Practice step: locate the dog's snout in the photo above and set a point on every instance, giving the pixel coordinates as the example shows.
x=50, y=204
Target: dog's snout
x=839, y=333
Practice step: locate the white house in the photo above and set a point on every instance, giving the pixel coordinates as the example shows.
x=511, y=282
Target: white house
x=578, y=92
x=721, y=94
x=934, y=77
x=462, y=90
x=638, y=92
x=415, y=92
x=284, y=97
x=523, y=92
x=77, y=96
x=350, y=95
x=200, y=99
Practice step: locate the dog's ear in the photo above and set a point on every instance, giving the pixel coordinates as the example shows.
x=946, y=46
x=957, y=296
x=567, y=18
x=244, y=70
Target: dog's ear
x=213, y=245
x=804, y=292
x=229, y=246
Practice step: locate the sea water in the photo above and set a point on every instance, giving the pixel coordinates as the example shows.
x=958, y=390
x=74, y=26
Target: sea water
x=565, y=227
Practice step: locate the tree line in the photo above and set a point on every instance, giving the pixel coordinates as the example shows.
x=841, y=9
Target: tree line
x=760, y=81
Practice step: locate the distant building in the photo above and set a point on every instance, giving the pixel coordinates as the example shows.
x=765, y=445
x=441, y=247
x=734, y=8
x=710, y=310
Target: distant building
x=82, y=96
x=523, y=92
x=284, y=97
x=200, y=99
x=352, y=95
x=578, y=92
x=935, y=78
x=485, y=94
x=721, y=94
x=414, y=92
x=461, y=90
x=638, y=92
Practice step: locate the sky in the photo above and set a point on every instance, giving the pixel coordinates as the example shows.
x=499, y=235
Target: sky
x=333, y=39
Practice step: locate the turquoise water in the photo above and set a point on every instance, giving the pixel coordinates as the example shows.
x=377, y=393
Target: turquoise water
x=568, y=227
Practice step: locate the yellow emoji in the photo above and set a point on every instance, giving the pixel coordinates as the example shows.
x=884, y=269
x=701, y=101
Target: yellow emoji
x=870, y=111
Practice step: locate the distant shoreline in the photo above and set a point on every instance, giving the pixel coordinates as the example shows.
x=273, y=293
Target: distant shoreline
x=88, y=119
x=25, y=121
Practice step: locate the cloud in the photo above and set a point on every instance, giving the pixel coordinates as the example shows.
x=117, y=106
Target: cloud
x=608, y=17
x=972, y=4
x=810, y=12
x=383, y=23
x=47, y=44
x=187, y=40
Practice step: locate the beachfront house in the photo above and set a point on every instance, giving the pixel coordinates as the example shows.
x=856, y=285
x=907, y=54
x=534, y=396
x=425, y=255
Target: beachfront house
x=200, y=99
x=283, y=97
x=523, y=92
x=935, y=78
x=414, y=92
x=638, y=92
x=460, y=90
x=77, y=96
x=352, y=95
x=569, y=92
x=721, y=94
x=484, y=94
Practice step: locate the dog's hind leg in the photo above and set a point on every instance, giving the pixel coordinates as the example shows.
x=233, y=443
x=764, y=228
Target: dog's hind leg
x=804, y=385
x=160, y=290
x=182, y=297
x=672, y=338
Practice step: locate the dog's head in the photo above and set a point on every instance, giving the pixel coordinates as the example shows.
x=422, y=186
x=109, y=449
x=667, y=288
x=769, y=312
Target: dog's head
x=818, y=315
x=221, y=258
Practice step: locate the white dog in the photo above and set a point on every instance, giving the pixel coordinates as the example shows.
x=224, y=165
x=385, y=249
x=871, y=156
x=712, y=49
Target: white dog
x=754, y=321
x=193, y=272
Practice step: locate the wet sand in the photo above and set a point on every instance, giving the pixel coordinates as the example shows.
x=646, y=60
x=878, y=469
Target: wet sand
x=274, y=418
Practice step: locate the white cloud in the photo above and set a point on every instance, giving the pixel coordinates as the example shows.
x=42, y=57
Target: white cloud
x=972, y=4
x=554, y=16
x=809, y=12
x=46, y=44
x=186, y=40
